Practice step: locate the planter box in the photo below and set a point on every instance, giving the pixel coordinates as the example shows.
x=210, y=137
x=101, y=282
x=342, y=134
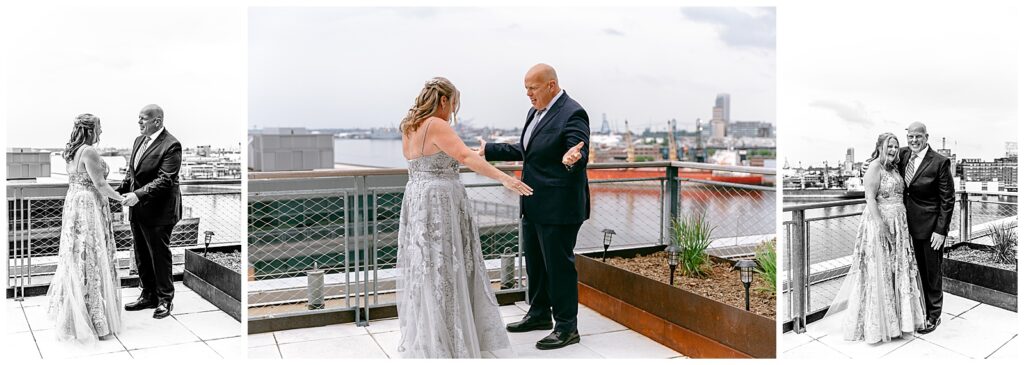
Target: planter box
x=215, y=283
x=986, y=284
x=677, y=318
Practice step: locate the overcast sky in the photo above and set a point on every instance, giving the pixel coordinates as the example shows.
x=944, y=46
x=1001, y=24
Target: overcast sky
x=851, y=72
x=361, y=67
x=113, y=61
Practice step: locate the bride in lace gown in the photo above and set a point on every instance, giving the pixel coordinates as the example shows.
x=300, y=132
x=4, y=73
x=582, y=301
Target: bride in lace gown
x=446, y=307
x=84, y=296
x=882, y=293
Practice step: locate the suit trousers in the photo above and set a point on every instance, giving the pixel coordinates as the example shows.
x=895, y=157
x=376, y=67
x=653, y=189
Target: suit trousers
x=153, y=258
x=551, y=271
x=929, y=265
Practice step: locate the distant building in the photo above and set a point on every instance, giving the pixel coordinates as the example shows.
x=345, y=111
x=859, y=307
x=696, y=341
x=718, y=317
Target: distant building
x=290, y=149
x=1011, y=149
x=27, y=163
x=849, y=162
x=719, y=126
x=1002, y=170
x=755, y=129
x=722, y=101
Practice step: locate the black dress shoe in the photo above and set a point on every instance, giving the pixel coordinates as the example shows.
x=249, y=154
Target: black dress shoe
x=930, y=326
x=557, y=340
x=529, y=324
x=163, y=310
x=140, y=304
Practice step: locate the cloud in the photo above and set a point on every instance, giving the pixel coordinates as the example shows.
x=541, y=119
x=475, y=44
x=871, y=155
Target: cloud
x=754, y=28
x=856, y=113
x=612, y=31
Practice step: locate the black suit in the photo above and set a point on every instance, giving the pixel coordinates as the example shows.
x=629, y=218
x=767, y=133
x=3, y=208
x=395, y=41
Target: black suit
x=560, y=203
x=929, y=200
x=155, y=182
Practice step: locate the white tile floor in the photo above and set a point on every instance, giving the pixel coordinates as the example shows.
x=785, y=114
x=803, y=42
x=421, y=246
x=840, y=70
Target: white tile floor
x=969, y=330
x=601, y=338
x=196, y=329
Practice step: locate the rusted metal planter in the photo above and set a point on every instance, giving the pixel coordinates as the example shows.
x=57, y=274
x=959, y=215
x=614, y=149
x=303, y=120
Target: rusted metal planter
x=990, y=285
x=689, y=323
x=217, y=284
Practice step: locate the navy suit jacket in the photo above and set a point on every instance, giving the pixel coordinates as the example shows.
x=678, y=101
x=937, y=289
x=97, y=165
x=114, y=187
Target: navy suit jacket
x=560, y=196
x=155, y=181
x=929, y=198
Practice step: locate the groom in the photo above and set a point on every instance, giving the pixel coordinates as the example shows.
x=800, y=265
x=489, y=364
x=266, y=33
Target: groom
x=553, y=149
x=150, y=188
x=929, y=200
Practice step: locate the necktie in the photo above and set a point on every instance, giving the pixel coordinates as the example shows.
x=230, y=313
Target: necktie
x=908, y=176
x=142, y=149
x=533, y=124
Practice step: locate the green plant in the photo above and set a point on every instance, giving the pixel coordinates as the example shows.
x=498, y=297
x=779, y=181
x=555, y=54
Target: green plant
x=1004, y=243
x=765, y=257
x=692, y=235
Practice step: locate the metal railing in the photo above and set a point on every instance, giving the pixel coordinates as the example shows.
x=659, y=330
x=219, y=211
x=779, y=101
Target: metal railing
x=819, y=240
x=35, y=218
x=344, y=224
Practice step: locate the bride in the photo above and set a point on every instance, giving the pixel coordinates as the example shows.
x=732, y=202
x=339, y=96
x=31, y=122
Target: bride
x=882, y=292
x=85, y=299
x=446, y=308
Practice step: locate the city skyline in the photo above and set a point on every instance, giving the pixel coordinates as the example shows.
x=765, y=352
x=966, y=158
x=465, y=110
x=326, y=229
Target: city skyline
x=885, y=84
x=670, y=65
x=111, y=62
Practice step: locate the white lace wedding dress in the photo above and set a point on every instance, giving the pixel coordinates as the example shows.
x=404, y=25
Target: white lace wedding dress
x=446, y=308
x=84, y=296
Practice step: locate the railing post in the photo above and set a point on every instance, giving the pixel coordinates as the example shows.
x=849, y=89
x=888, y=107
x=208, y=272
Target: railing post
x=362, y=225
x=671, y=200
x=965, y=217
x=799, y=268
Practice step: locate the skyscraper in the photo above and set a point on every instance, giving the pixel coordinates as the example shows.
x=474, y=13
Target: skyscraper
x=722, y=101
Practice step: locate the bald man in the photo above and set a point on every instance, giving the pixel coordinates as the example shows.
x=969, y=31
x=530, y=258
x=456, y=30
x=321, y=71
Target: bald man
x=151, y=190
x=929, y=199
x=553, y=148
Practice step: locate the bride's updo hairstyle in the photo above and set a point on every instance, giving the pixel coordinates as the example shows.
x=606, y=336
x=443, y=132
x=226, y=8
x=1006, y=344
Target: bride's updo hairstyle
x=429, y=102
x=880, y=145
x=83, y=133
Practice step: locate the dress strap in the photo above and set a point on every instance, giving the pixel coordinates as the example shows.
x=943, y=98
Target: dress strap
x=423, y=143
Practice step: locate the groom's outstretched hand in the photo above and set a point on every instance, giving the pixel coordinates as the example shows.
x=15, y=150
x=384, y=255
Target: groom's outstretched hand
x=483, y=143
x=572, y=155
x=938, y=241
x=130, y=199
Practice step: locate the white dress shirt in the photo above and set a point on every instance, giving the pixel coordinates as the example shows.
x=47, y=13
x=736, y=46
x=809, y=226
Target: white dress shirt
x=145, y=145
x=920, y=157
x=538, y=116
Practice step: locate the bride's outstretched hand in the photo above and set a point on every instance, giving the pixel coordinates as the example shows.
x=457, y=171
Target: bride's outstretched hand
x=483, y=143
x=517, y=186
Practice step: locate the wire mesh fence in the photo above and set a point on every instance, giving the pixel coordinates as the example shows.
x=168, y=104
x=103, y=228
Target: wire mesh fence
x=829, y=235
x=743, y=215
x=331, y=242
x=35, y=220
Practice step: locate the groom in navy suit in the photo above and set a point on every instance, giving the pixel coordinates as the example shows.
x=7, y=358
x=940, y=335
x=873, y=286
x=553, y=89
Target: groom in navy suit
x=151, y=190
x=553, y=149
x=929, y=199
